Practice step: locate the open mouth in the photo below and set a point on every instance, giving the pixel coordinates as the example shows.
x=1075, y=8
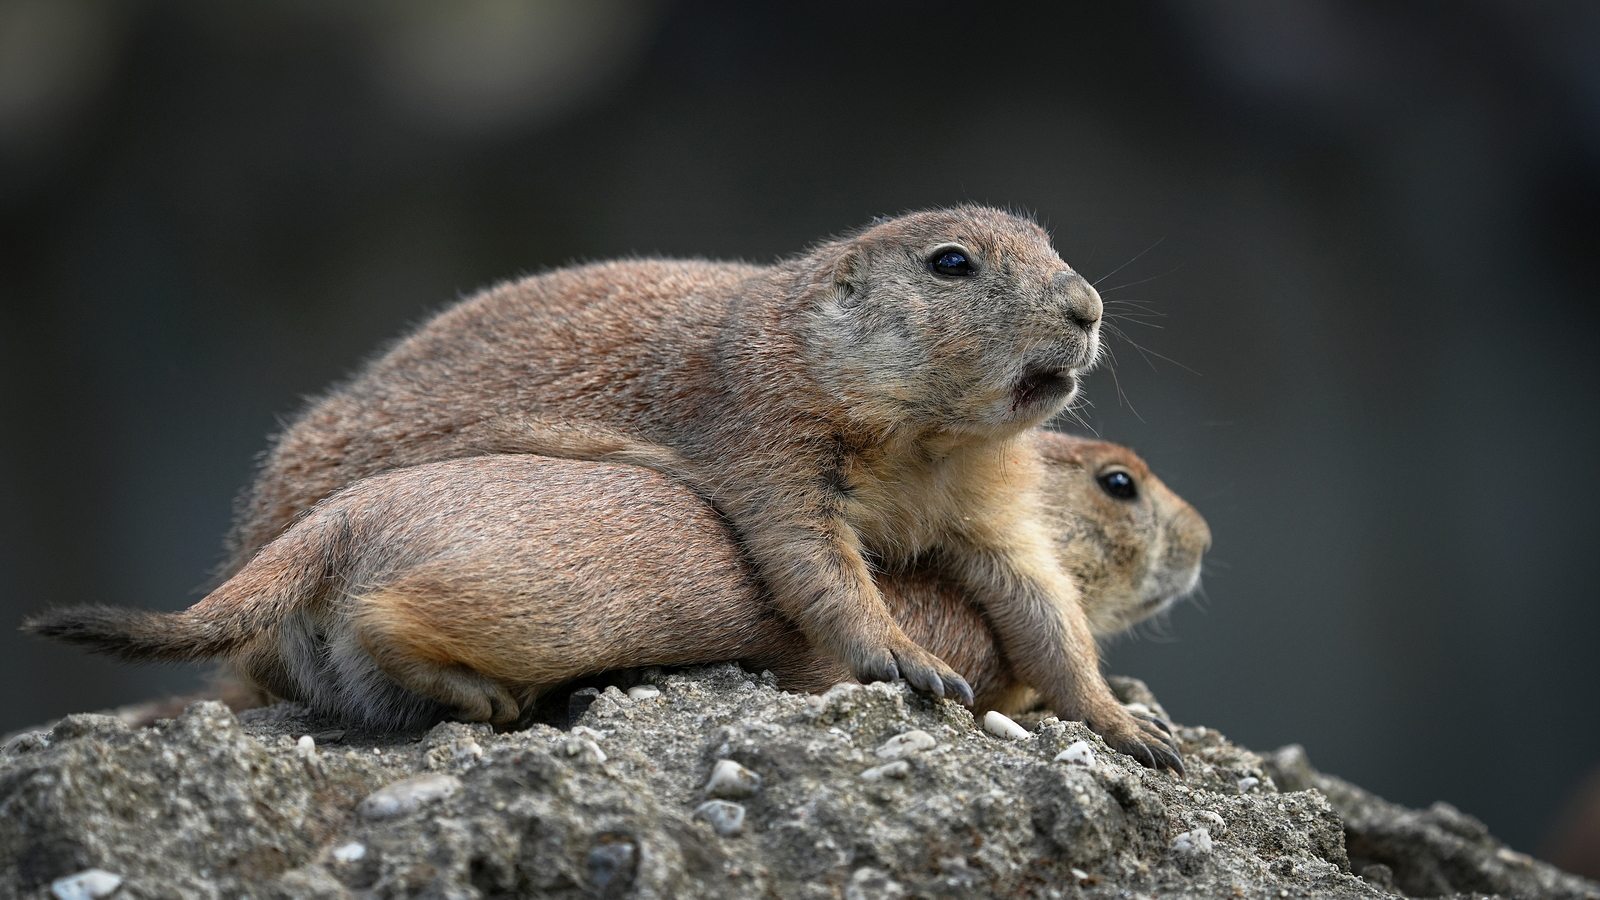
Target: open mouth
x=1040, y=385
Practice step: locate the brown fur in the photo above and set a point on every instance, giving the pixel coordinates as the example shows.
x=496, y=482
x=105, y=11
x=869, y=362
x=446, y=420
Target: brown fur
x=467, y=588
x=845, y=405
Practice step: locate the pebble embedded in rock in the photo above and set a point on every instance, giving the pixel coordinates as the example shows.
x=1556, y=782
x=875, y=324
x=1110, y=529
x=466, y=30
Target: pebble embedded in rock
x=732, y=781
x=26, y=742
x=306, y=748
x=610, y=860
x=1001, y=726
x=407, y=796
x=914, y=741
x=350, y=852
x=1193, y=843
x=873, y=884
x=90, y=884
x=726, y=819
x=1218, y=826
x=643, y=692
x=897, y=769
x=1248, y=782
x=1078, y=753
x=584, y=748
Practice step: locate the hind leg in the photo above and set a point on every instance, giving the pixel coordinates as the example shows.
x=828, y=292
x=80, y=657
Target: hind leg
x=395, y=650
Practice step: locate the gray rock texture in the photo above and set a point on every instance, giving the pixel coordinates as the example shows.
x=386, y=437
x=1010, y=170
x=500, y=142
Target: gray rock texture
x=213, y=805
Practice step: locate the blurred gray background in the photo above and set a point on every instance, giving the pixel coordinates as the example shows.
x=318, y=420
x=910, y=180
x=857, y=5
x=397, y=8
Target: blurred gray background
x=1353, y=250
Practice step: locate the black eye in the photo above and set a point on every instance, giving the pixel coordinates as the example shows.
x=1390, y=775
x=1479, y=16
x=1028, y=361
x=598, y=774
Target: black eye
x=1119, y=484
x=953, y=263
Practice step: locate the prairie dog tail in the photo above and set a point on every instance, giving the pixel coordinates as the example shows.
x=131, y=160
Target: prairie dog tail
x=286, y=575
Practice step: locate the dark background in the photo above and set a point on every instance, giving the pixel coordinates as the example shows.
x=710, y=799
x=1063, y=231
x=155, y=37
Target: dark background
x=1353, y=248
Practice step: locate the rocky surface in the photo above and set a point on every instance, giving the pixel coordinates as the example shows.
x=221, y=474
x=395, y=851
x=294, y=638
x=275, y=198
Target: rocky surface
x=713, y=784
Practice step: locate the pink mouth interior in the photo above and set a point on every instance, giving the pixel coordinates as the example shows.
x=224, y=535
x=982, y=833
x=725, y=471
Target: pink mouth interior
x=1040, y=385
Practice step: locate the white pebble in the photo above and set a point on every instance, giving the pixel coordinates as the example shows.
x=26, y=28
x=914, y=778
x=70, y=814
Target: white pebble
x=407, y=796
x=306, y=748
x=643, y=692
x=350, y=852
x=585, y=748
x=1248, y=782
x=897, y=769
x=1078, y=753
x=725, y=818
x=913, y=741
x=732, y=781
x=90, y=884
x=1194, y=843
x=464, y=749
x=1219, y=825
x=1081, y=875
x=1001, y=726
x=873, y=884
x=1511, y=856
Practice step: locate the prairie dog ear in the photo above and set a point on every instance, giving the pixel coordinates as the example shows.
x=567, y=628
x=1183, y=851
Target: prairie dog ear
x=850, y=277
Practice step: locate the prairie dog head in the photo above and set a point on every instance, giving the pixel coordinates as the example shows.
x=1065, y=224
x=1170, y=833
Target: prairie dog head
x=963, y=319
x=1133, y=546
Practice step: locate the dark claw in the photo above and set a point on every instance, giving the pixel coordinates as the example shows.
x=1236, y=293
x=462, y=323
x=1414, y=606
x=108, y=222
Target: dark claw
x=1172, y=761
x=1154, y=755
x=962, y=690
x=1145, y=756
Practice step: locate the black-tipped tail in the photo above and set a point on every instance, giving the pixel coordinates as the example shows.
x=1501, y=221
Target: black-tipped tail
x=133, y=634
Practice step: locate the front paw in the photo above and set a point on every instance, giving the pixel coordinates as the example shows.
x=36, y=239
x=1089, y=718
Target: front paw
x=1149, y=741
x=920, y=669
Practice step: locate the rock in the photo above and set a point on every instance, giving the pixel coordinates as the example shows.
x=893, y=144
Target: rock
x=407, y=796
x=725, y=818
x=871, y=884
x=896, y=769
x=1193, y=843
x=1439, y=850
x=731, y=781
x=611, y=865
x=90, y=884
x=215, y=805
x=1002, y=726
x=1078, y=754
x=914, y=741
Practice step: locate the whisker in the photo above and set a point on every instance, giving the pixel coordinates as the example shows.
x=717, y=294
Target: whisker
x=1140, y=281
x=1147, y=353
x=1096, y=282
x=1122, y=396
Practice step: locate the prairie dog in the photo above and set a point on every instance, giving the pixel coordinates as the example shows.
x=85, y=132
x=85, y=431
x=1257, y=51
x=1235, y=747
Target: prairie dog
x=861, y=401
x=466, y=588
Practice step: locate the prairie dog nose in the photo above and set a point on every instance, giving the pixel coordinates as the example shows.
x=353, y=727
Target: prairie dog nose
x=1081, y=300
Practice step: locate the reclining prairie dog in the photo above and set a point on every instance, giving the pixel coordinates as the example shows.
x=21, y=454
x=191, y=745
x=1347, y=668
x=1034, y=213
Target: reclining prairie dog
x=466, y=588
x=864, y=399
